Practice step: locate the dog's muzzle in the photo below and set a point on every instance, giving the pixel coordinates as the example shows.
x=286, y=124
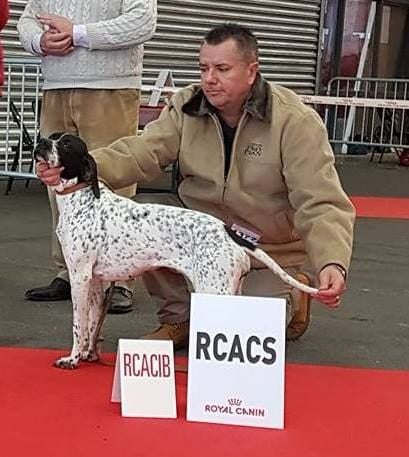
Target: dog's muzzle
x=47, y=151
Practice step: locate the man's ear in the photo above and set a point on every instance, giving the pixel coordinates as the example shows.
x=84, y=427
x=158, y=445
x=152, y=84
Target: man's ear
x=91, y=174
x=252, y=72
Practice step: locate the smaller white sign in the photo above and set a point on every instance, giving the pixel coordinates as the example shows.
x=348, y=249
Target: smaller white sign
x=236, y=360
x=144, y=379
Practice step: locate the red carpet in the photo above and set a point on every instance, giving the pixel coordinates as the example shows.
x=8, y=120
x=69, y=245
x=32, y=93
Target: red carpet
x=389, y=208
x=330, y=412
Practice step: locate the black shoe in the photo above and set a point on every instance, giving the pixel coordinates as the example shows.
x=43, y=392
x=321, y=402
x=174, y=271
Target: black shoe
x=121, y=301
x=59, y=289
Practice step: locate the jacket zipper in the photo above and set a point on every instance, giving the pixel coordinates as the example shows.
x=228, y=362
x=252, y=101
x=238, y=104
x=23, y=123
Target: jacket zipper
x=233, y=151
x=220, y=133
x=233, y=147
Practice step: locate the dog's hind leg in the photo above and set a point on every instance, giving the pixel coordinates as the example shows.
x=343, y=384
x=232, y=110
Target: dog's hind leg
x=226, y=282
x=238, y=285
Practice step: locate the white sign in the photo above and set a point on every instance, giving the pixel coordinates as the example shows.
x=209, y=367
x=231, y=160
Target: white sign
x=144, y=380
x=236, y=360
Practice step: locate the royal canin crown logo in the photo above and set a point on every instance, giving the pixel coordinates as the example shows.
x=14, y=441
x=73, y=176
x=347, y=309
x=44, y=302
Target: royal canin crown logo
x=234, y=402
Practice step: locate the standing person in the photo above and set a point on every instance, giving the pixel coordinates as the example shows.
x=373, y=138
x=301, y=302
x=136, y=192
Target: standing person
x=92, y=52
x=4, y=16
x=252, y=154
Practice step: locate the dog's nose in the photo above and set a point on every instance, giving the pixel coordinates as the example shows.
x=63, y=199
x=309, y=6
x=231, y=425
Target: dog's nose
x=42, y=149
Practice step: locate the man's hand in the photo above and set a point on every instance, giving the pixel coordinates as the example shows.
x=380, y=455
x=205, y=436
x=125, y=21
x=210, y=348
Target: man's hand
x=50, y=176
x=332, y=286
x=58, y=23
x=57, y=40
x=56, y=43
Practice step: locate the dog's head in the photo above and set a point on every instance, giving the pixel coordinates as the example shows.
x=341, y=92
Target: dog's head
x=70, y=152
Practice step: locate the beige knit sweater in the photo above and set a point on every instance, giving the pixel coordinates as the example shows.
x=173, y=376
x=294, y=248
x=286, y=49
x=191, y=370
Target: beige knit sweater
x=116, y=30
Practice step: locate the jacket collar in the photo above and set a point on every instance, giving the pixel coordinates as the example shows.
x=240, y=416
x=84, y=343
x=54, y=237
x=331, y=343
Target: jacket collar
x=258, y=103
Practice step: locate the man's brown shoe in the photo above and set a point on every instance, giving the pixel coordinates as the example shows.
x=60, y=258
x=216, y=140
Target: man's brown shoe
x=178, y=333
x=301, y=319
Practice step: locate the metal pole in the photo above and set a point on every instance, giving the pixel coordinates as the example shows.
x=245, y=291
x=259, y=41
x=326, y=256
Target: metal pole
x=320, y=47
x=360, y=71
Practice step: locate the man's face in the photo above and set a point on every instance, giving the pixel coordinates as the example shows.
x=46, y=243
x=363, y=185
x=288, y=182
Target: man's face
x=226, y=75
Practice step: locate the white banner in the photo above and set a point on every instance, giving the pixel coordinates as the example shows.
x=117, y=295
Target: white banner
x=326, y=99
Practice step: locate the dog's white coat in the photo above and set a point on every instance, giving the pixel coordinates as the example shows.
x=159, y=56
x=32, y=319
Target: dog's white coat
x=114, y=238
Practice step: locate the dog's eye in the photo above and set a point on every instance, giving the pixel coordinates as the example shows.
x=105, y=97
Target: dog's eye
x=66, y=146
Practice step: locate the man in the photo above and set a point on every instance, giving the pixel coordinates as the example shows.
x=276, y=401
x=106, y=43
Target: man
x=252, y=154
x=92, y=65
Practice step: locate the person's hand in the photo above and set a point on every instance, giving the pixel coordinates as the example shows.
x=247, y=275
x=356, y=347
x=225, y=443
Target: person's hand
x=332, y=286
x=58, y=23
x=50, y=176
x=56, y=43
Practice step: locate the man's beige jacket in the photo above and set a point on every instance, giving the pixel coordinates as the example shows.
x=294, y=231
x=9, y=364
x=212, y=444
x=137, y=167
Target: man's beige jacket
x=281, y=184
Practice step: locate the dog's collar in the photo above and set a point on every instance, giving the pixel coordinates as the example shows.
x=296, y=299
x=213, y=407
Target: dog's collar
x=67, y=186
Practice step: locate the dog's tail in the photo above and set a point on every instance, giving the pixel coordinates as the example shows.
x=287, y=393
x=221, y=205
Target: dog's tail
x=276, y=269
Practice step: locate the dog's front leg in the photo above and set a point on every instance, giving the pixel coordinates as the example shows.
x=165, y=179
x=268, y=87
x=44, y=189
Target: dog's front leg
x=97, y=313
x=80, y=288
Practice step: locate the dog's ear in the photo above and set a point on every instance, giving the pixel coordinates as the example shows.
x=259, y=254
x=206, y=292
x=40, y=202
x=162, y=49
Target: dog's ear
x=91, y=174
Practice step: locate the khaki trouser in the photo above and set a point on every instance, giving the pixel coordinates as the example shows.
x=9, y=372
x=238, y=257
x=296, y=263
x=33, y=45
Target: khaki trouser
x=171, y=293
x=99, y=117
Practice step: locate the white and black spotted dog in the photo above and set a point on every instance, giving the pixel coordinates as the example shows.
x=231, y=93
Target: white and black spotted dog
x=105, y=237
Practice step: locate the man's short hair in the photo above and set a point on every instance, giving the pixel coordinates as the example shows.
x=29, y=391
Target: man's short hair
x=245, y=40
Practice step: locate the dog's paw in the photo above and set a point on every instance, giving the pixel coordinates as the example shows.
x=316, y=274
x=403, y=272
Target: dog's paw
x=66, y=363
x=90, y=356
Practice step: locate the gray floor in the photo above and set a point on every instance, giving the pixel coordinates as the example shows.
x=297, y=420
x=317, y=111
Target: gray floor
x=371, y=329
